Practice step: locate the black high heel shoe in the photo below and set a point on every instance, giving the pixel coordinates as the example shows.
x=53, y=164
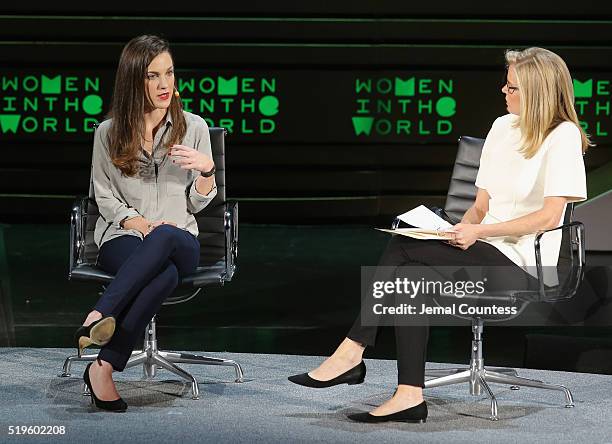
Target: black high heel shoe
x=416, y=414
x=356, y=375
x=98, y=332
x=118, y=405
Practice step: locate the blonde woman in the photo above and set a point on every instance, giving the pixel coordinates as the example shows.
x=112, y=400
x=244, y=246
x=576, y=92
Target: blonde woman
x=531, y=167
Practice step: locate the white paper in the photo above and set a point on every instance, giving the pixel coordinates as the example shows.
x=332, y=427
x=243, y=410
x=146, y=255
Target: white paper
x=419, y=233
x=423, y=217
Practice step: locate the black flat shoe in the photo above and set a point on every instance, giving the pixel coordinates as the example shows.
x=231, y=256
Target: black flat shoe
x=118, y=405
x=416, y=414
x=98, y=332
x=356, y=375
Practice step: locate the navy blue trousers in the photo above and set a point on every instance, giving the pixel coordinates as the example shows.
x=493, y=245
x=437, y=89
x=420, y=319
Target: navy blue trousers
x=146, y=273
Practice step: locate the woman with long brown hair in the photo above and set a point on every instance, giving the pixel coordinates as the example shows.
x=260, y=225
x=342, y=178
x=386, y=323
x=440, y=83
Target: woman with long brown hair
x=152, y=170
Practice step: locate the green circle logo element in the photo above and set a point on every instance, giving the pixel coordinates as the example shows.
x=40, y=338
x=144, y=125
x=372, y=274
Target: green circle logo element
x=446, y=106
x=268, y=105
x=92, y=104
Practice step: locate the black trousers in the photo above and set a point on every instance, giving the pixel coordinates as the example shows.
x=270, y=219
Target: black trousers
x=411, y=341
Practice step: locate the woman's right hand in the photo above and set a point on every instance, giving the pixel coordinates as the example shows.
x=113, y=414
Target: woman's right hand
x=154, y=225
x=139, y=224
x=143, y=225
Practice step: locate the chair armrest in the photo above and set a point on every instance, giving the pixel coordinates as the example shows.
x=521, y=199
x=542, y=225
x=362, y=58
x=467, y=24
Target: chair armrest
x=437, y=210
x=77, y=232
x=577, y=267
x=444, y=215
x=231, y=237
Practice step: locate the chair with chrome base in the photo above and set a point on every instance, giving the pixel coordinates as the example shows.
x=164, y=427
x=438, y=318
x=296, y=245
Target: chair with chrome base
x=218, y=237
x=461, y=195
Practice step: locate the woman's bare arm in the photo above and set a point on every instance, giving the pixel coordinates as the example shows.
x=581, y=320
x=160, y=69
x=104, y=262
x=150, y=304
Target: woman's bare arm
x=543, y=219
x=476, y=213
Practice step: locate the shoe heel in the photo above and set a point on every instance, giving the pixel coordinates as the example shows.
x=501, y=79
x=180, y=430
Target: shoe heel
x=118, y=405
x=84, y=342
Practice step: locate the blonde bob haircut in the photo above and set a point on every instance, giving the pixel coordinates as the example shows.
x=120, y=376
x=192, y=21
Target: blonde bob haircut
x=547, y=96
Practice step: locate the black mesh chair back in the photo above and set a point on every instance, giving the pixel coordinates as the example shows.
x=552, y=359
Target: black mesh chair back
x=462, y=189
x=211, y=220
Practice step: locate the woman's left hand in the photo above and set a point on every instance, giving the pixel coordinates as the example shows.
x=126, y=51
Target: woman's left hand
x=465, y=235
x=191, y=159
x=154, y=225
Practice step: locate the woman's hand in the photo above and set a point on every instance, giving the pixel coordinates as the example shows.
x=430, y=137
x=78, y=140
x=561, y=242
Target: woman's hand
x=154, y=225
x=465, y=235
x=139, y=224
x=191, y=159
x=143, y=225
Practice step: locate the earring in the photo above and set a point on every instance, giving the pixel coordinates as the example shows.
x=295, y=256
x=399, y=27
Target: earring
x=176, y=93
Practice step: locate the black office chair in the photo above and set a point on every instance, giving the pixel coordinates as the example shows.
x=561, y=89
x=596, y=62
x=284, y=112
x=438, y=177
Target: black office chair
x=7, y=325
x=461, y=195
x=218, y=236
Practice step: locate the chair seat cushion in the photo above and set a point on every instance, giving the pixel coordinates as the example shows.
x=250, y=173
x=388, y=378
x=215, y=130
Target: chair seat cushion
x=211, y=274
x=90, y=273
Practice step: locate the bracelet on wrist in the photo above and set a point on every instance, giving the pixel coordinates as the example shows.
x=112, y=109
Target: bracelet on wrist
x=209, y=173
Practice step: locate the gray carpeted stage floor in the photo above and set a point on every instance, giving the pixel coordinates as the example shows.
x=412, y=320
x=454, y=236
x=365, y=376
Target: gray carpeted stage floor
x=267, y=408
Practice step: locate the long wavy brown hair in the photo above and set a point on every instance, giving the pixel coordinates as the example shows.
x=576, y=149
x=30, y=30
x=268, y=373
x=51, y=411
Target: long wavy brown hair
x=131, y=100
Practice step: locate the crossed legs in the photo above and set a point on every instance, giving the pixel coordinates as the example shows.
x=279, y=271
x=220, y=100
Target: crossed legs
x=411, y=341
x=146, y=272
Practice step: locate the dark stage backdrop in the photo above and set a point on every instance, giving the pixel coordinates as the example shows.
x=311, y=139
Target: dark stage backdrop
x=337, y=111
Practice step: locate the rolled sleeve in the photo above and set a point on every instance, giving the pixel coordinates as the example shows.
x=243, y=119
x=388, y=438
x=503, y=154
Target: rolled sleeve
x=196, y=201
x=124, y=213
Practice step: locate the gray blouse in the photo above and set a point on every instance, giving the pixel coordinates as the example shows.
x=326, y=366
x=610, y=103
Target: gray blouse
x=160, y=191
